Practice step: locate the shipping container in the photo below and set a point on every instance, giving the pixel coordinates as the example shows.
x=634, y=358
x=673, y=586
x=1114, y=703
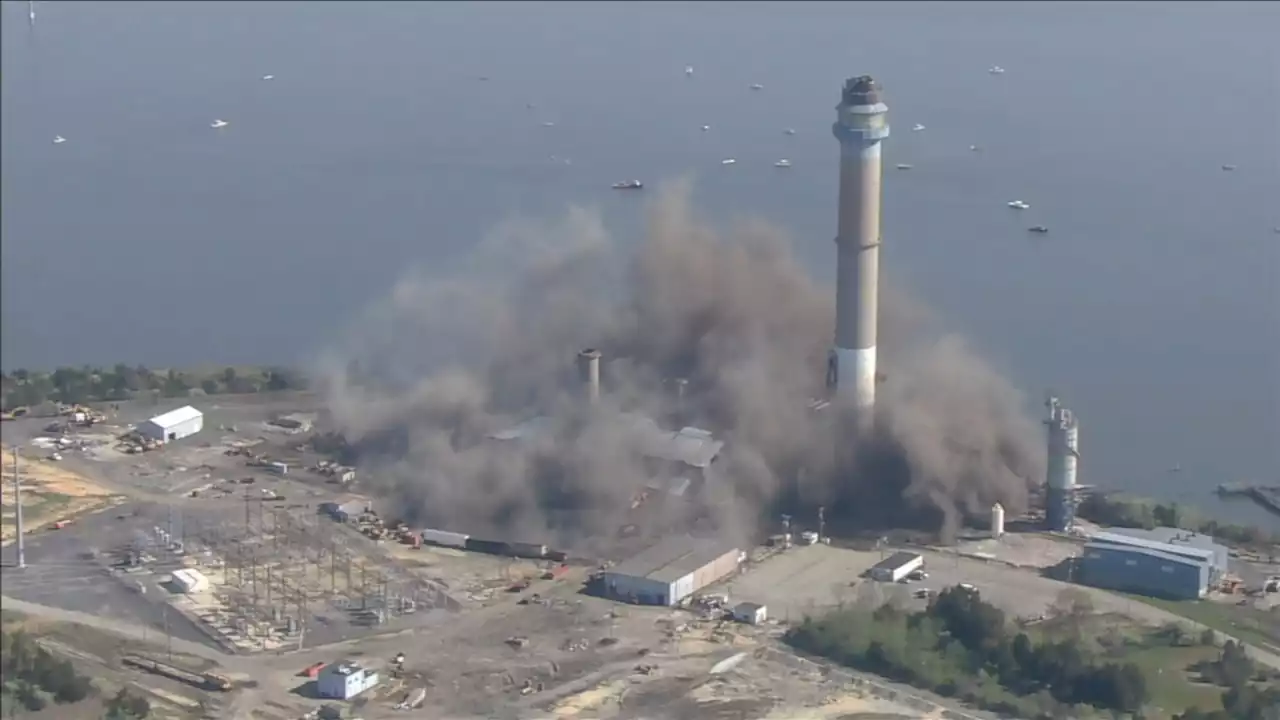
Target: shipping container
x=557, y=555
x=528, y=550
x=493, y=547
x=445, y=538
x=279, y=468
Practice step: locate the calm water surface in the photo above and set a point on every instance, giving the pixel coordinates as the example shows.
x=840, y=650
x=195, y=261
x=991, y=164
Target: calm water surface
x=1153, y=306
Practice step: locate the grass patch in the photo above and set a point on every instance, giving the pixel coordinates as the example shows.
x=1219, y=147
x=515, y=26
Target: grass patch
x=1173, y=687
x=1247, y=624
x=37, y=504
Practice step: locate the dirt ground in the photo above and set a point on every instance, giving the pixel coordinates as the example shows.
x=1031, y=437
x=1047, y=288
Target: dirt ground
x=50, y=492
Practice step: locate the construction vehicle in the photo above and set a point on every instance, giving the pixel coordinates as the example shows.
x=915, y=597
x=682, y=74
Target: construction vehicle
x=204, y=681
x=15, y=414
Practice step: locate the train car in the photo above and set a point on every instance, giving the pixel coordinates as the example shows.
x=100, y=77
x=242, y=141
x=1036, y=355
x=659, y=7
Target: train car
x=445, y=538
x=492, y=547
x=533, y=551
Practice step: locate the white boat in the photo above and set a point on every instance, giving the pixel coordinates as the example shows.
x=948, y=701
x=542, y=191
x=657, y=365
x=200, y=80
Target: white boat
x=268, y=77
x=58, y=139
x=1018, y=205
x=904, y=166
x=218, y=124
x=1228, y=168
x=757, y=86
x=628, y=185
x=996, y=70
x=728, y=161
x=789, y=131
x=548, y=124
x=918, y=127
x=783, y=163
x=688, y=69
x=706, y=128
x=974, y=148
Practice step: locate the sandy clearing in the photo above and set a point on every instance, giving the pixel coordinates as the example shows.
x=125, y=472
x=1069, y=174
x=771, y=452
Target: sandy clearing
x=46, y=487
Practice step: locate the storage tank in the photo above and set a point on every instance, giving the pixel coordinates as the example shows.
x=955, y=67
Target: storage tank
x=1064, y=456
x=997, y=520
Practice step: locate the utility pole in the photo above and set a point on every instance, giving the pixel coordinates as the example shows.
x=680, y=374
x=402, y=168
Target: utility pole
x=17, y=509
x=822, y=523
x=168, y=637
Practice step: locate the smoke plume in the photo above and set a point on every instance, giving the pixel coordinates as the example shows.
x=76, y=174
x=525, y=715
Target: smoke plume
x=446, y=359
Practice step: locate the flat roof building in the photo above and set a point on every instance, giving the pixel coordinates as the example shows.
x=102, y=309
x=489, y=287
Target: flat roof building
x=173, y=425
x=671, y=570
x=344, y=680
x=897, y=566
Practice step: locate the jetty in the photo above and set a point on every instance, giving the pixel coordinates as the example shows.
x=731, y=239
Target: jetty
x=1266, y=496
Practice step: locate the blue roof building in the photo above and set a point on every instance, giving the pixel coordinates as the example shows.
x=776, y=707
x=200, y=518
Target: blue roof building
x=1146, y=571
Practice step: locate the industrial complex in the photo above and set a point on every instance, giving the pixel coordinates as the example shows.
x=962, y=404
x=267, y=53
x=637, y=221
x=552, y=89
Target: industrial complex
x=251, y=542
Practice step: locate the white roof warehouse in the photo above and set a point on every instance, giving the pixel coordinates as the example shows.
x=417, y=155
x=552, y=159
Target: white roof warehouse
x=173, y=425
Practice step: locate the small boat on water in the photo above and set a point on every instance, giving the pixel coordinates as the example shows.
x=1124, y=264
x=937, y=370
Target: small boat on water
x=218, y=124
x=268, y=77
x=728, y=161
x=706, y=128
x=996, y=70
x=783, y=163
x=688, y=69
x=789, y=131
x=918, y=127
x=1228, y=168
x=904, y=166
x=1038, y=229
x=974, y=148
x=58, y=139
x=757, y=86
x=1018, y=205
x=628, y=185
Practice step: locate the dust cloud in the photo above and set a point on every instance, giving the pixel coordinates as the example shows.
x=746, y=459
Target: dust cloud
x=425, y=375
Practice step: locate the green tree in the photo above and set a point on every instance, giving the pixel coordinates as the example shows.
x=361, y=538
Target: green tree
x=210, y=386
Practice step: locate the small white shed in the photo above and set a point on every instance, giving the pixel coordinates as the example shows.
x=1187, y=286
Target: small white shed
x=173, y=425
x=187, y=580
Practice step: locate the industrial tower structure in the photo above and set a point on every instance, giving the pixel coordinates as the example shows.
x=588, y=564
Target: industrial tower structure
x=861, y=123
x=1064, y=456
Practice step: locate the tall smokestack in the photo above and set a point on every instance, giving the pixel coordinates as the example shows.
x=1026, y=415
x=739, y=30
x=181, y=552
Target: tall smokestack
x=1064, y=458
x=589, y=369
x=861, y=123
x=17, y=509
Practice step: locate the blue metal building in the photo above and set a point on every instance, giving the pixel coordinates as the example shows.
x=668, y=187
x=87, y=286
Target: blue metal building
x=1182, y=539
x=1145, y=571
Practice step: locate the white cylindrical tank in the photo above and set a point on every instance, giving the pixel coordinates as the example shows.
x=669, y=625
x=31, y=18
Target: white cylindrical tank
x=997, y=520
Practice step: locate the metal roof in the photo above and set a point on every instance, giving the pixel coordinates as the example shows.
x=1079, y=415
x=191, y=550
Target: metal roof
x=673, y=558
x=1168, y=557
x=1173, y=536
x=530, y=430
x=1110, y=538
x=176, y=417
x=896, y=560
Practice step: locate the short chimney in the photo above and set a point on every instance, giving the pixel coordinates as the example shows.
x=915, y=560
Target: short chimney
x=589, y=368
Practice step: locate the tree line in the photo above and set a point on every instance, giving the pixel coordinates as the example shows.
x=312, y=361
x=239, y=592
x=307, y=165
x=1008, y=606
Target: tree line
x=31, y=677
x=1245, y=698
x=963, y=647
x=71, y=385
x=1133, y=512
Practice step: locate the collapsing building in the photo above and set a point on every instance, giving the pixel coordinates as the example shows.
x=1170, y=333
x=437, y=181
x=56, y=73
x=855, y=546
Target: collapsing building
x=672, y=570
x=677, y=460
x=1181, y=568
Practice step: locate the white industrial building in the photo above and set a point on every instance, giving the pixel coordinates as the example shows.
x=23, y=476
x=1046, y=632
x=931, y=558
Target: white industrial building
x=173, y=425
x=188, y=581
x=344, y=680
x=750, y=613
x=897, y=566
x=671, y=571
